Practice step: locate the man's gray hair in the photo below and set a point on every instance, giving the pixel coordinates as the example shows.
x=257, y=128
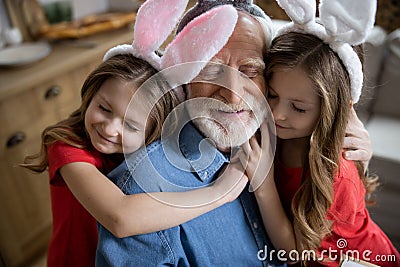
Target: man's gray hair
x=246, y=6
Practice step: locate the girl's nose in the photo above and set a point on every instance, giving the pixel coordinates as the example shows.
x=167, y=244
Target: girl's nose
x=279, y=112
x=112, y=128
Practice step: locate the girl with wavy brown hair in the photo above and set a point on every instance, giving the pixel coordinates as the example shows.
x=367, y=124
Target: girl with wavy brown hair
x=79, y=151
x=314, y=199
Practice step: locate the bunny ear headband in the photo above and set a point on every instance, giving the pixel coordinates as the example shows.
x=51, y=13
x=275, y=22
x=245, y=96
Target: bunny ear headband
x=343, y=23
x=198, y=42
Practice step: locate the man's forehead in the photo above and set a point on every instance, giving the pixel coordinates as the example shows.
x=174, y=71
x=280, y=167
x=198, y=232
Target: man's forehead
x=249, y=25
x=247, y=35
x=244, y=17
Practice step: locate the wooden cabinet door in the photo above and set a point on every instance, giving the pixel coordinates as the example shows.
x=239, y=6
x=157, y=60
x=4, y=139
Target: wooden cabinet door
x=25, y=224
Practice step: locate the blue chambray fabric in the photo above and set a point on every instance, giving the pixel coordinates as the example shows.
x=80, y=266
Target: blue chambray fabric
x=231, y=235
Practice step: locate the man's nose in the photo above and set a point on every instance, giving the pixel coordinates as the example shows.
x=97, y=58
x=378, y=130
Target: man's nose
x=234, y=91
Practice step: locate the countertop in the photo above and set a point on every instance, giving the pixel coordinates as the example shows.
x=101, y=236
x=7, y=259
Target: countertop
x=65, y=55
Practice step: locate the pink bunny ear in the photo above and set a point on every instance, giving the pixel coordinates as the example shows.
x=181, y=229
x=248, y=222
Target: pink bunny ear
x=199, y=41
x=155, y=21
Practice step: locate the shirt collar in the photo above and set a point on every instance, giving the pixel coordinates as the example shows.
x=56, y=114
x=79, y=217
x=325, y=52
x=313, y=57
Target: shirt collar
x=202, y=155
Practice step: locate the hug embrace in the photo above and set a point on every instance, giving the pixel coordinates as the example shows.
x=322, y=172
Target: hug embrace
x=229, y=141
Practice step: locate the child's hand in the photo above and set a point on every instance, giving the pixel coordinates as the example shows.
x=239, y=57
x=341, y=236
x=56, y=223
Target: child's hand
x=231, y=182
x=257, y=158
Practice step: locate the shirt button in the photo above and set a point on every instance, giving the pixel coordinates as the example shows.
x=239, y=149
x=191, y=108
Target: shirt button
x=255, y=225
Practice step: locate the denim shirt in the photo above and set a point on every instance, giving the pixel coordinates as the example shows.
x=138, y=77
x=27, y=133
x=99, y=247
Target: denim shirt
x=231, y=235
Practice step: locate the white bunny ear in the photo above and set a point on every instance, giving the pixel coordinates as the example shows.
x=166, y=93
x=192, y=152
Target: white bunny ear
x=343, y=23
x=155, y=21
x=353, y=66
x=348, y=21
x=199, y=41
x=123, y=49
x=300, y=11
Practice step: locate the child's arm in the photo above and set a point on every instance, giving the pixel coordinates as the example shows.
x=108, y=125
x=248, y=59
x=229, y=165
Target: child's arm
x=279, y=227
x=258, y=159
x=125, y=215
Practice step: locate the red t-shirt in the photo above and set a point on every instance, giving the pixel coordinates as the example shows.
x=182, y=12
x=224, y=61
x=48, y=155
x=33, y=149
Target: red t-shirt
x=353, y=229
x=74, y=236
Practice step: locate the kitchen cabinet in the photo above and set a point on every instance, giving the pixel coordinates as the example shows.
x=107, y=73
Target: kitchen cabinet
x=31, y=98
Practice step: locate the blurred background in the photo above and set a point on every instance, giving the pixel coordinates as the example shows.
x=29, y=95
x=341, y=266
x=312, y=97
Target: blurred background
x=48, y=47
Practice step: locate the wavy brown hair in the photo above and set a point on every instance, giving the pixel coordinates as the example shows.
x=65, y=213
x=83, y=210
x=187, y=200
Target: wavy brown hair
x=332, y=83
x=123, y=67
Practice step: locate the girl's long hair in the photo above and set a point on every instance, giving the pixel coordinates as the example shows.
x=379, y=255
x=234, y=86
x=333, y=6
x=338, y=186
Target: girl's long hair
x=72, y=130
x=331, y=81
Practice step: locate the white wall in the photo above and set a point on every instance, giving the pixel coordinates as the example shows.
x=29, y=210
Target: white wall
x=82, y=8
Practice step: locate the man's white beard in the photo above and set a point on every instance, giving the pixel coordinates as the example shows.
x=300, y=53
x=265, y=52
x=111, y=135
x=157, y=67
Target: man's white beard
x=226, y=133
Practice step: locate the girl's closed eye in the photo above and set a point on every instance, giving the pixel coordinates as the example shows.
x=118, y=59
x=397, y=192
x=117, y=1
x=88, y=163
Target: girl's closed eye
x=131, y=127
x=298, y=109
x=103, y=108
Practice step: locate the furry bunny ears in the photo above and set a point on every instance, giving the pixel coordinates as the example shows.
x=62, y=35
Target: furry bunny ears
x=198, y=42
x=343, y=23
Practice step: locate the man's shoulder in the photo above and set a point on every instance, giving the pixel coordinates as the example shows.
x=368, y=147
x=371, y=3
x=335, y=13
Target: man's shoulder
x=159, y=152
x=153, y=151
x=151, y=168
x=171, y=164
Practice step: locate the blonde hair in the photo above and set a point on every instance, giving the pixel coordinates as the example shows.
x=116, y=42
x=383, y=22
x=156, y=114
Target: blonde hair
x=72, y=130
x=331, y=80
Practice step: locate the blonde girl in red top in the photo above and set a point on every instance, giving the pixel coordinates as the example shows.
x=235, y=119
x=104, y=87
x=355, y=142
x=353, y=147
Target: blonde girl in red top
x=81, y=149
